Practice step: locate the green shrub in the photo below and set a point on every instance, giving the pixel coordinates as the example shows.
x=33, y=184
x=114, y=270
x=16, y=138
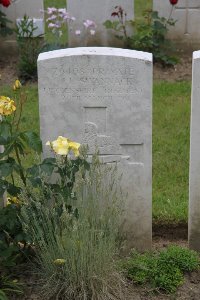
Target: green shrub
x=11, y=234
x=75, y=252
x=164, y=270
x=186, y=260
x=4, y=28
x=9, y=286
x=29, y=48
x=149, y=34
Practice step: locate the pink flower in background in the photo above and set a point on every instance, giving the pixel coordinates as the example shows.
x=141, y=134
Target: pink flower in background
x=53, y=17
x=51, y=10
x=89, y=23
x=77, y=32
x=57, y=17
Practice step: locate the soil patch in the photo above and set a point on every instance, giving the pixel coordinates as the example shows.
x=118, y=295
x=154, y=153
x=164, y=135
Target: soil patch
x=163, y=235
x=182, y=71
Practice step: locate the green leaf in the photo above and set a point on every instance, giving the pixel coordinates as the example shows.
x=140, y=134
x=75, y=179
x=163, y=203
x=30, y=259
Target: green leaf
x=108, y=24
x=5, y=129
x=5, y=168
x=7, y=151
x=33, y=171
x=3, y=296
x=47, y=168
x=3, y=140
x=32, y=140
x=49, y=160
x=12, y=189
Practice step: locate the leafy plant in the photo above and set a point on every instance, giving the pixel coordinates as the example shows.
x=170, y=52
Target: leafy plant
x=29, y=48
x=150, y=34
x=4, y=28
x=9, y=286
x=11, y=234
x=71, y=248
x=162, y=270
x=15, y=142
x=13, y=174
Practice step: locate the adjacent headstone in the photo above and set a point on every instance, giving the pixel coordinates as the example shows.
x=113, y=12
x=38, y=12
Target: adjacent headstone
x=98, y=11
x=32, y=8
x=103, y=97
x=194, y=194
x=186, y=13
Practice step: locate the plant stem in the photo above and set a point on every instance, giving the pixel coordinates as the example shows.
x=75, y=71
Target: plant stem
x=21, y=173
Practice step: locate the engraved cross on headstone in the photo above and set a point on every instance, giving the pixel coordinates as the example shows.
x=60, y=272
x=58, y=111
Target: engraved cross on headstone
x=189, y=6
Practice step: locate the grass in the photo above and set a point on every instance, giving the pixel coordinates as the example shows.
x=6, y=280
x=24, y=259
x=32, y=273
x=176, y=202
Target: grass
x=171, y=113
x=171, y=151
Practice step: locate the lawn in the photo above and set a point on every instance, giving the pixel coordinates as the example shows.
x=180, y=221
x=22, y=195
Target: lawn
x=171, y=113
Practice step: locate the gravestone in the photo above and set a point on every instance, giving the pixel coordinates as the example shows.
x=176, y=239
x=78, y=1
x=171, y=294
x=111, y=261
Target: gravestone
x=16, y=11
x=186, y=13
x=194, y=191
x=99, y=12
x=102, y=97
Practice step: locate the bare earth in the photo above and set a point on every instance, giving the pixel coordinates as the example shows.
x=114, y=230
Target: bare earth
x=162, y=235
x=182, y=71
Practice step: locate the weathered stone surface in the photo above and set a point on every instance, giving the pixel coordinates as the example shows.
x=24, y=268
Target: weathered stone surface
x=194, y=201
x=98, y=11
x=187, y=15
x=31, y=8
x=102, y=97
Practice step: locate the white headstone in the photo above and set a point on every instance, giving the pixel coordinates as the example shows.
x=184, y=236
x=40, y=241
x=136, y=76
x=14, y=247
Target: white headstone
x=31, y=8
x=103, y=97
x=98, y=11
x=187, y=15
x=194, y=193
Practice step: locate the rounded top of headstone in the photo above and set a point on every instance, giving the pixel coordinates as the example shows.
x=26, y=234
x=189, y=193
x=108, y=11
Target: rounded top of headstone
x=101, y=51
x=196, y=54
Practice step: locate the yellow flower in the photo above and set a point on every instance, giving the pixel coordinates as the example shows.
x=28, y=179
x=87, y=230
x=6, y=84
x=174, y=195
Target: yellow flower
x=59, y=261
x=13, y=200
x=7, y=106
x=17, y=85
x=59, y=146
x=63, y=145
x=74, y=147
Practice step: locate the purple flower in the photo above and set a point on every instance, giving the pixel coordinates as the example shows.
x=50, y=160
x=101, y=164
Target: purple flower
x=89, y=23
x=77, y=32
x=51, y=18
x=51, y=10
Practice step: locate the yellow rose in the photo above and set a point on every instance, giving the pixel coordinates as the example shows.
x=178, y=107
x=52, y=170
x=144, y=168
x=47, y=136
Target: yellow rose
x=59, y=261
x=60, y=146
x=13, y=200
x=63, y=145
x=74, y=147
x=7, y=106
x=17, y=85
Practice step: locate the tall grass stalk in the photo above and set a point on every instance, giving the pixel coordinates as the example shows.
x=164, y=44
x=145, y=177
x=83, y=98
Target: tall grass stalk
x=76, y=255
